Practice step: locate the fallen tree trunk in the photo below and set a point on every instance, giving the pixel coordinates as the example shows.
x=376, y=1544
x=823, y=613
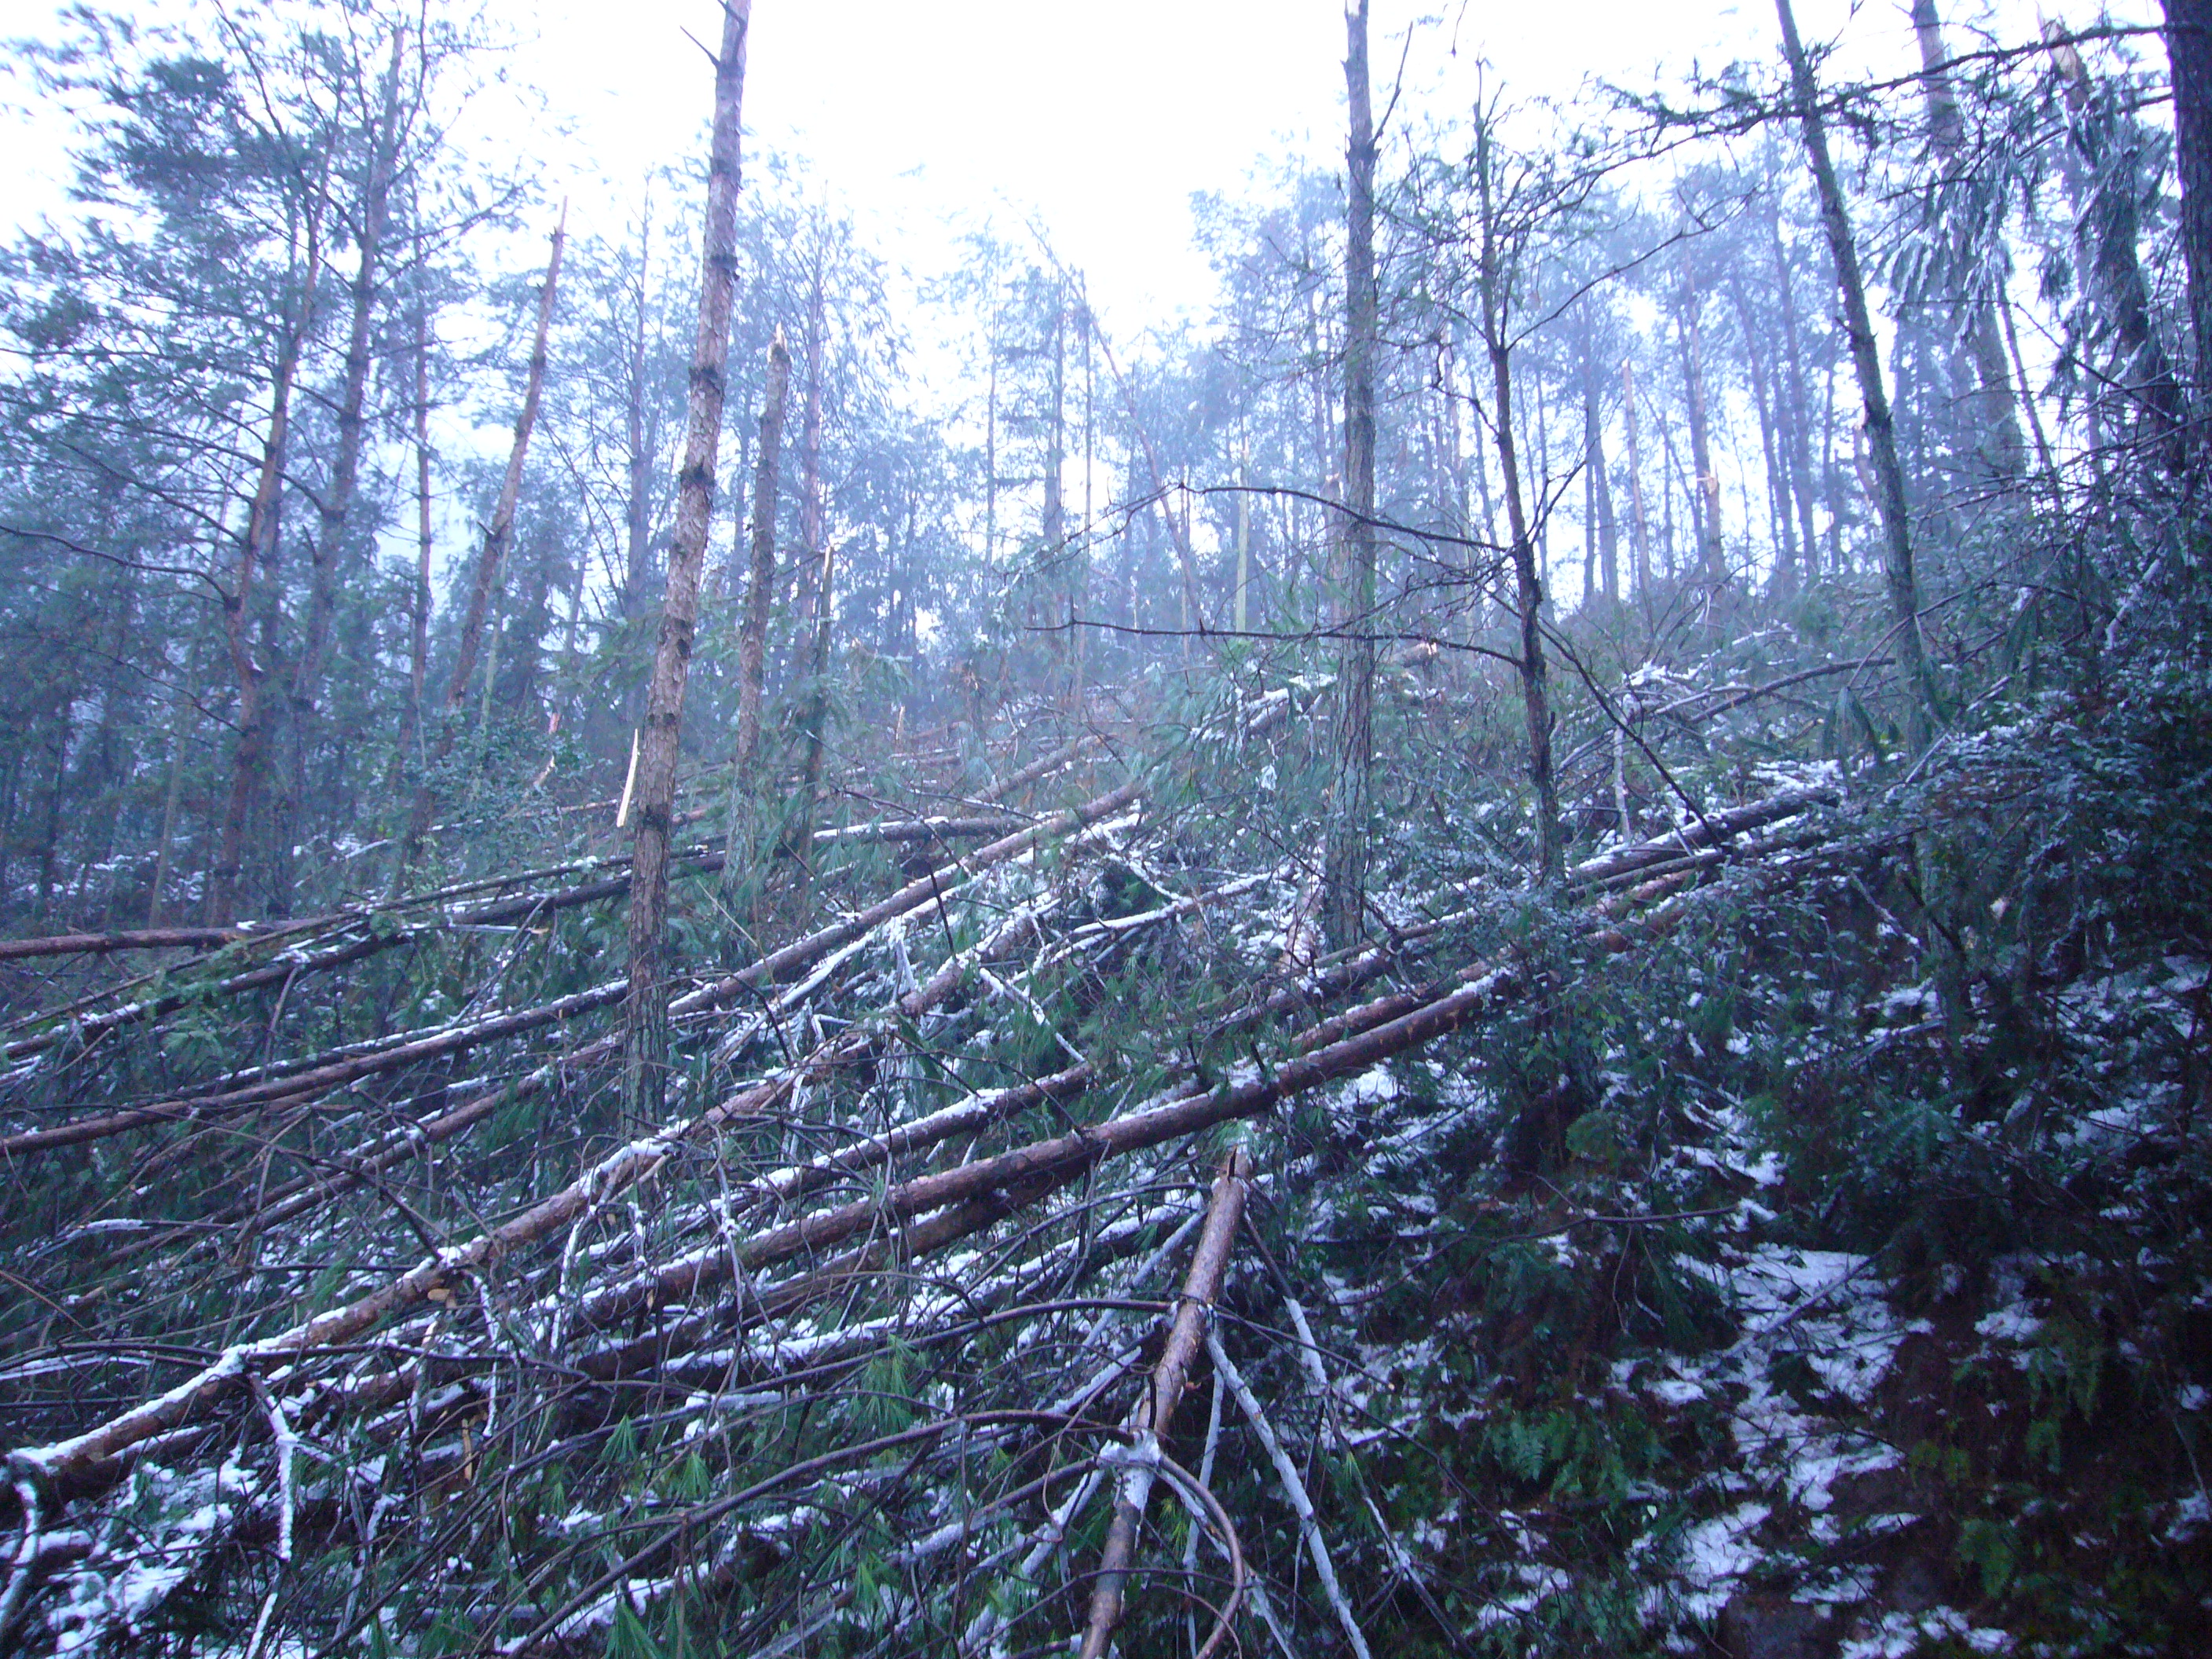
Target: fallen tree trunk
x=144, y=938
x=1710, y=829
x=75, y=1464
x=949, y=1202
x=520, y=908
x=1207, y=1265
x=455, y=1040
x=925, y=830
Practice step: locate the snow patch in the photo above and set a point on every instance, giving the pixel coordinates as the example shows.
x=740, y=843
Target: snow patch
x=1717, y=1553
x=1900, y=1634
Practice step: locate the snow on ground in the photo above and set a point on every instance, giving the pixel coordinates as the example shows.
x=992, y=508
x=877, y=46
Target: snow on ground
x=1828, y=1310
x=146, y=1548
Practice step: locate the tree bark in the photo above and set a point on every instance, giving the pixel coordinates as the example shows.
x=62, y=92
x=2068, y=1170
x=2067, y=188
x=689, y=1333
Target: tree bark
x=1343, y=886
x=646, y=1009
x=1898, y=572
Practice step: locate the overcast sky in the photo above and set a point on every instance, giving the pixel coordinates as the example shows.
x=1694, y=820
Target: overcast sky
x=1098, y=121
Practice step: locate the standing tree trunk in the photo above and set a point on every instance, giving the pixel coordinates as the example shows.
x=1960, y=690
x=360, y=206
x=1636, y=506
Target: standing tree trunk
x=991, y=437
x=1243, y=530
x=1641, y=544
x=1707, y=501
x=497, y=537
x=1344, y=882
x=256, y=549
x=1529, y=589
x=1178, y=531
x=181, y=721
x=799, y=839
x=817, y=573
x=2101, y=167
x=1600, y=530
x=2189, y=56
x=645, y=1011
x=760, y=588
x=1800, y=419
x=336, y=504
x=1897, y=571
x=1079, y=598
x=1053, y=528
x=809, y=450
x=1772, y=443
x=637, y=571
x=810, y=647
x=418, y=641
x=2000, y=419
x=1589, y=475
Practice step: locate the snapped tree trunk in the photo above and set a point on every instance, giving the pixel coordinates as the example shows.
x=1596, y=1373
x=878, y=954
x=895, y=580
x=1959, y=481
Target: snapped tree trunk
x=645, y=1024
x=1898, y=573
x=1344, y=888
x=497, y=537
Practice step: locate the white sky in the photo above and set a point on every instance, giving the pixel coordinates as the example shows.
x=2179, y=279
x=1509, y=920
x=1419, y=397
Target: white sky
x=1099, y=121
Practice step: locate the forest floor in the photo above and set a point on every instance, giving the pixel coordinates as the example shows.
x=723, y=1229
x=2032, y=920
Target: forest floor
x=1785, y=1237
